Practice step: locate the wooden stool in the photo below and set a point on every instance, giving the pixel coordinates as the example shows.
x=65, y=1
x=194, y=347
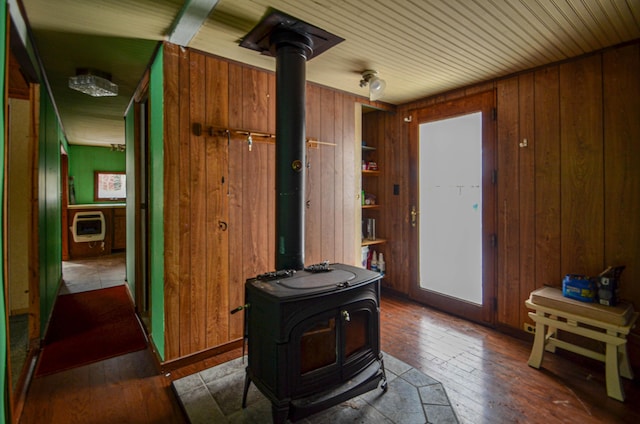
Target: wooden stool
x=607, y=324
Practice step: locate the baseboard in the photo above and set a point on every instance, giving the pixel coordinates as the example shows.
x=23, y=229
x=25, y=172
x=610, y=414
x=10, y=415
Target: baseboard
x=173, y=364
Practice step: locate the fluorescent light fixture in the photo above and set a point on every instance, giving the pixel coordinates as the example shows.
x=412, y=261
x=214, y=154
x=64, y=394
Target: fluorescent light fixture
x=375, y=83
x=93, y=83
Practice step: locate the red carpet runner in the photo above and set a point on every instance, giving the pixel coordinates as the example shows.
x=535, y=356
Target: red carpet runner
x=88, y=327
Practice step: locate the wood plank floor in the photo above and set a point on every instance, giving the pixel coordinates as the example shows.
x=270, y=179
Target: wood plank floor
x=485, y=374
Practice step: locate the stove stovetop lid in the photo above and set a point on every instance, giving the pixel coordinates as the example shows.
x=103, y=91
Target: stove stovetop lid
x=304, y=283
x=313, y=281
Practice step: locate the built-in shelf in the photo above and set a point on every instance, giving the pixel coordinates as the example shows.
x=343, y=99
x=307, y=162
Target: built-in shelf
x=368, y=148
x=370, y=173
x=370, y=206
x=367, y=242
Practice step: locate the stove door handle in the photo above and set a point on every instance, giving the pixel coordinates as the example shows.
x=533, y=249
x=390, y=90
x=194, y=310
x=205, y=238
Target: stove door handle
x=346, y=316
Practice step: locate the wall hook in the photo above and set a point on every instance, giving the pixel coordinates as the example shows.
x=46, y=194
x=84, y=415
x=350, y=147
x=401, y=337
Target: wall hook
x=524, y=143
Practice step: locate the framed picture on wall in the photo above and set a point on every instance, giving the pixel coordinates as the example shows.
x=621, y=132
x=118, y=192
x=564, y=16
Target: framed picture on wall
x=110, y=186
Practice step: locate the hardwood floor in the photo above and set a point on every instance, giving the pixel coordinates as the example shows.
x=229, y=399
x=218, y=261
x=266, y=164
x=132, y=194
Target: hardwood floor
x=487, y=377
x=485, y=374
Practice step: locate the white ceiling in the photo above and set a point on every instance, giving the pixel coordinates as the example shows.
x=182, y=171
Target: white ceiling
x=420, y=47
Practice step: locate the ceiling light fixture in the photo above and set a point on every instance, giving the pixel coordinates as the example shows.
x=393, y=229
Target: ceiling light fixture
x=375, y=83
x=94, y=83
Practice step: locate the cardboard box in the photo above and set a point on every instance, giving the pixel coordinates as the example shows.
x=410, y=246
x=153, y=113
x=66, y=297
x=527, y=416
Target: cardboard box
x=579, y=287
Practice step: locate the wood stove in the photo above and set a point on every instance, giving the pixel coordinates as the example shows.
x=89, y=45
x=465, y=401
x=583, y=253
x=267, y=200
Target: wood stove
x=313, y=332
x=313, y=338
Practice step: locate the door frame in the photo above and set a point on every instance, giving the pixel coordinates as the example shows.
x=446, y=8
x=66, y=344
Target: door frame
x=485, y=103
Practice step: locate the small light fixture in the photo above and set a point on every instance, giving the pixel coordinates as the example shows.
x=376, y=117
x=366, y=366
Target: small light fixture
x=94, y=83
x=375, y=83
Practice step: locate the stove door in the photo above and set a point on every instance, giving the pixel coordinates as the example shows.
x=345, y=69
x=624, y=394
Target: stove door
x=330, y=348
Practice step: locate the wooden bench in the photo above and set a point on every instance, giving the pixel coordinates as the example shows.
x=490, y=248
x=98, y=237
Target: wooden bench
x=607, y=324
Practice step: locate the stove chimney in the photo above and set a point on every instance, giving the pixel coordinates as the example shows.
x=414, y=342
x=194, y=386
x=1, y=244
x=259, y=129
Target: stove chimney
x=291, y=51
x=293, y=43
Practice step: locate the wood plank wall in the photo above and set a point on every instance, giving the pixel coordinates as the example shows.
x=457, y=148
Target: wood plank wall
x=206, y=267
x=569, y=201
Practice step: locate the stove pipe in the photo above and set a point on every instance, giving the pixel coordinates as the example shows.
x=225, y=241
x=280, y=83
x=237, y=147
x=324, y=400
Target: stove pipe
x=291, y=50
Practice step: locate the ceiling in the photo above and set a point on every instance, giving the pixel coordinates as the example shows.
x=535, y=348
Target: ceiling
x=420, y=47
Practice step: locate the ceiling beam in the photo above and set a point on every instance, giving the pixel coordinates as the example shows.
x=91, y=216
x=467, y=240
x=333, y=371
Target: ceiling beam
x=189, y=21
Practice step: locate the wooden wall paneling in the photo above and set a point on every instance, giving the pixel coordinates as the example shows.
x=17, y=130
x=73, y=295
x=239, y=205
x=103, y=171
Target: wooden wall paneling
x=217, y=226
x=582, y=217
x=255, y=100
x=396, y=206
x=271, y=102
x=547, y=177
x=255, y=173
x=198, y=209
x=349, y=166
x=526, y=189
x=236, y=93
x=508, y=203
x=338, y=182
x=480, y=88
x=313, y=218
x=236, y=229
x=217, y=236
x=217, y=93
x=173, y=59
x=399, y=259
x=621, y=171
x=327, y=204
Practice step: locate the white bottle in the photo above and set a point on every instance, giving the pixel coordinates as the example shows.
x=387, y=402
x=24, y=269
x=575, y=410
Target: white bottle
x=381, y=264
x=365, y=256
x=374, y=262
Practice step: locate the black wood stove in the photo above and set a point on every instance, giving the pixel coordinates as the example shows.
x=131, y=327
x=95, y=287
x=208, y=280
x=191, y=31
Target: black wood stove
x=313, y=333
x=313, y=338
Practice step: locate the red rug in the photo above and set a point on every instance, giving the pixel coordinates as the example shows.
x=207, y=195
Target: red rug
x=88, y=327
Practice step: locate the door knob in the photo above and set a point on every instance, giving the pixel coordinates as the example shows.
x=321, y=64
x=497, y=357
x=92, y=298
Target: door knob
x=414, y=216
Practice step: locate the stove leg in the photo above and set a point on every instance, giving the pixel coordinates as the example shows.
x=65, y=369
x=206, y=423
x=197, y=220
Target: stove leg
x=384, y=386
x=247, y=383
x=279, y=413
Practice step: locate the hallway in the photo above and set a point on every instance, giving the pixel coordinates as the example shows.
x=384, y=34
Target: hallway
x=100, y=272
x=124, y=389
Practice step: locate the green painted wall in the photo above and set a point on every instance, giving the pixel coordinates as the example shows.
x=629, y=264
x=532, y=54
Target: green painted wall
x=4, y=406
x=84, y=160
x=49, y=207
x=156, y=206
x=129, y=128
